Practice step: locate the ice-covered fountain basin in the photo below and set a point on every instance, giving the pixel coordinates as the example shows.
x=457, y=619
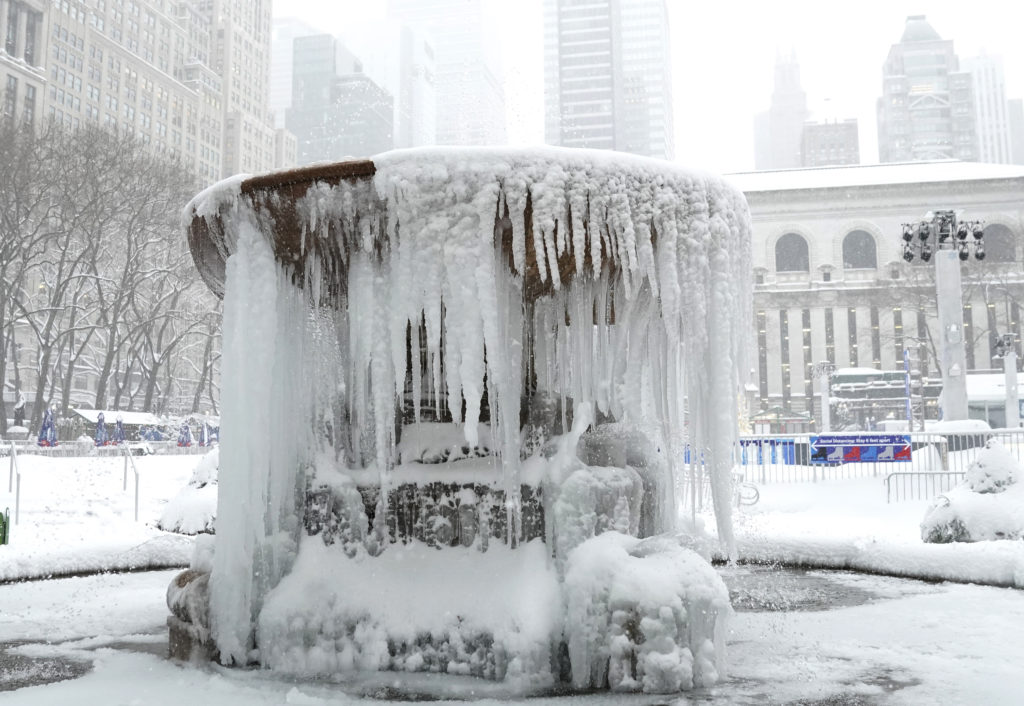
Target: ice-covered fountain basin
x=530, y=291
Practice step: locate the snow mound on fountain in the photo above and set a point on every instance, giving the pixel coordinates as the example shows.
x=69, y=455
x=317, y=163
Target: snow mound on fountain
x=988, y=505
x=489, y=614
x=644, y=615
x=194, y=509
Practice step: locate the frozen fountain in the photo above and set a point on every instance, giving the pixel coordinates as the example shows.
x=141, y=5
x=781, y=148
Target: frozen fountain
x=458, y=385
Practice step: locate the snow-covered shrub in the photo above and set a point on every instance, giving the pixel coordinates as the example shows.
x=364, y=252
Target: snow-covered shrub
x=194, y=509
x=643, y=615
x=993, y=470
x=988, y=505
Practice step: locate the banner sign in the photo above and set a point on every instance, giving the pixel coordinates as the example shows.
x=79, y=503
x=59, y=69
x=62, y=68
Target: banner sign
x=860, y=448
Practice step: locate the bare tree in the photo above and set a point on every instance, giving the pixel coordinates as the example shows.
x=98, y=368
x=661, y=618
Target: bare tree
x=95, y=274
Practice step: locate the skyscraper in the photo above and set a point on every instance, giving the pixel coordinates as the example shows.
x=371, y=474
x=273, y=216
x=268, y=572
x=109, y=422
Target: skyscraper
x=927, y=106
x=337, y=111
x=188, y=78
x=1015, y=108
x=779, y=131
x=240, y=53
x=830, y=143
x=469, y=89
x=607, y=78
x=991, y=117
x=284, y=33
x=400, y=59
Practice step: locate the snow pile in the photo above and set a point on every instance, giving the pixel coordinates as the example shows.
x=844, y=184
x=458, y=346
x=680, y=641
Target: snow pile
x=617, y=285
x=436, y=442
x=644, y=615
x=194, y=508
x=988, y=505
x=413, y=608
x=994, y=470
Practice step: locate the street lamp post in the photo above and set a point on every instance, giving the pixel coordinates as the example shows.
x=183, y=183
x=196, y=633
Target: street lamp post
x=1006, y=350
x=942, y=236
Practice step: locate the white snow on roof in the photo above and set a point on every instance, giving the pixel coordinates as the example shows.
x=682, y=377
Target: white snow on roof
x=859, y=371
x=109, y=416
x=988, y=387
x=953, y=426
x=872, y=175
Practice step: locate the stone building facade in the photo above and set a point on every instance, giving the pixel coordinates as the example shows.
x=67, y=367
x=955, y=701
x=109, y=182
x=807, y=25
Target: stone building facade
x=831, y=283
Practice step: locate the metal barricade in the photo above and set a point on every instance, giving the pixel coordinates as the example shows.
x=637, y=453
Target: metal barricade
x=788, y=459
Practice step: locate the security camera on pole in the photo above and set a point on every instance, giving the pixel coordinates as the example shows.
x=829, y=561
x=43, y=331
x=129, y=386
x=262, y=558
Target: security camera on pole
x=943, y=236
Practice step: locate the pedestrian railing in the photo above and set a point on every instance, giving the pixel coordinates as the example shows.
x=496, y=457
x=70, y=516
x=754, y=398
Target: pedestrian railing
x=68, y=449
x=795, y=459
x=920, y=485
x=696, y=493
x=129, y=459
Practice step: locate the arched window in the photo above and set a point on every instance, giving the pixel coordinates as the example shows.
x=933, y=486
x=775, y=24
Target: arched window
x=859, y=251
x=1000, y=244
x=791, y=254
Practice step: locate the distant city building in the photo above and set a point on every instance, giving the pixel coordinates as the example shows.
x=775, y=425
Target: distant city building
x=470, y=95
x=830, y=143
x=607, y=81
x=401, y=59
x=337, y=111
x=927, y=106
x=778, y=133
x=285, y=149
x=240, y=53
x=830, y=283
x=188, y=78
x=991, y=117
x=1015, y=114
x=284, y=32
x=23, y=52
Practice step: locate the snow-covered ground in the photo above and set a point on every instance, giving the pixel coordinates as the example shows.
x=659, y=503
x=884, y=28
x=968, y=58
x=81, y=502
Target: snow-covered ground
x=896, y=641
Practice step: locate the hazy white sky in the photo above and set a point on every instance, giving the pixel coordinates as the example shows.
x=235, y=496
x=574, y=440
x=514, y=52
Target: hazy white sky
x=723, y=54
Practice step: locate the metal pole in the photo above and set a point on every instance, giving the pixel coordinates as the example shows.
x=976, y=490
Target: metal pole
x=826, y=403
x=906, y=389
x=952, y=359
x=1012, y=403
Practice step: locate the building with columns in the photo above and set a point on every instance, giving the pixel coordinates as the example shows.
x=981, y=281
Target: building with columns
x=23, y=51
x=831, y=283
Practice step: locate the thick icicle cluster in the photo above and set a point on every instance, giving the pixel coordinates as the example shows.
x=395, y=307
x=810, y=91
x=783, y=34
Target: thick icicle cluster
x=618, y=284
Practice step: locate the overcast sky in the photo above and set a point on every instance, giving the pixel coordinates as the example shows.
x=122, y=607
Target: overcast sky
x=723, y=55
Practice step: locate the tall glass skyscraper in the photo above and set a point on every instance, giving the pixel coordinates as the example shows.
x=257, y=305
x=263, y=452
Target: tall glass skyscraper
x=927, y=106
x=607, y=75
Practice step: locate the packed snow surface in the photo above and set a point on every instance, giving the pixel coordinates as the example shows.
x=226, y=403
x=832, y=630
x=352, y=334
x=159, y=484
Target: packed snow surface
x=617, y=284
x=914, y=643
